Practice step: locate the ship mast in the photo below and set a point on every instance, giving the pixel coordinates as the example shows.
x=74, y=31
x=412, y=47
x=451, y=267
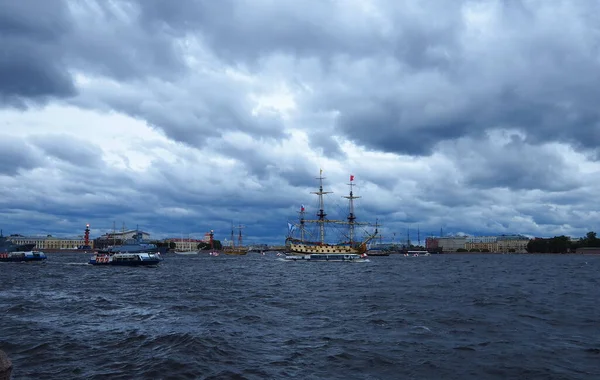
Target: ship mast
x=240, y=235
x=321, y=214
x=351, y=216
x=377, y=225
x=239, y=238
x=302, y=212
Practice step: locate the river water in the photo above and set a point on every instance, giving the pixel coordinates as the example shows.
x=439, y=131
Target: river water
x=256, y=317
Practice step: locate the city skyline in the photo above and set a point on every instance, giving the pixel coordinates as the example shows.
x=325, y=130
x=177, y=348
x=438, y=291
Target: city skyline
x=415, y=237
x=182, y=117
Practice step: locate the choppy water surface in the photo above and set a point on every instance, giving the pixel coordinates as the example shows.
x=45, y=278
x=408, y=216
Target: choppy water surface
x=256, y=317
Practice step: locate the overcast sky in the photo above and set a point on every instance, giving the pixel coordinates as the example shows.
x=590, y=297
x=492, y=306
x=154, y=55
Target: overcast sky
x=478, y=117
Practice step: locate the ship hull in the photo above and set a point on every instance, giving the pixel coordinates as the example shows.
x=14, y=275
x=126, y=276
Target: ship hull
x=15, y=257
x=304, y=249
x=320, y=257
x=128, y=264
x=378, y=253
x=126, y=259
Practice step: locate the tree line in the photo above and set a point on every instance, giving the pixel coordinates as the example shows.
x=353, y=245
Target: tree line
x=562, y=244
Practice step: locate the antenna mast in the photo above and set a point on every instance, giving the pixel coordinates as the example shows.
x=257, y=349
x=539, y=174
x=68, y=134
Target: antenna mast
x=351, y=216
x=321, y=214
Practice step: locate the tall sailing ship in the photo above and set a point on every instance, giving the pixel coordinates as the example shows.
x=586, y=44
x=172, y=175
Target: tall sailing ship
x=233, y=249
x=349, y=250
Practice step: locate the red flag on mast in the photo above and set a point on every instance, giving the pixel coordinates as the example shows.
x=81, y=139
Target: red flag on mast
x=351, y=177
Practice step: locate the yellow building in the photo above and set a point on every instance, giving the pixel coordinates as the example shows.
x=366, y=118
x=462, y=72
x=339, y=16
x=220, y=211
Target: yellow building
x=482, y=243
x=512, y=243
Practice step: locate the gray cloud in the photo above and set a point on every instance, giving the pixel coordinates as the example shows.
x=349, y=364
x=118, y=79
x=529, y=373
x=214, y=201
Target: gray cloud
x=489, y=163
x=16, y=155
x=250, y=30
x=69, y=149
x=110, y=40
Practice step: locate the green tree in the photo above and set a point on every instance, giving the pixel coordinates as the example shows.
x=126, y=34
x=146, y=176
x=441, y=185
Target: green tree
x=206, y=246
x=556, y=244
x=590, y=240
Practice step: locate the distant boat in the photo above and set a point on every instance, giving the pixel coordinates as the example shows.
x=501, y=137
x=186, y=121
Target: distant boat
x=126, y=259
x=233, y=249
x=22, y=256
x=351, y=250
x=186, y=253
x=378, y=252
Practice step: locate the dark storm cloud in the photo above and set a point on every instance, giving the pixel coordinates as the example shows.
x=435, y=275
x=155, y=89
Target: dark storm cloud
x=388, y=127
x=41, y=21
x=32, y=65
x=525, y=73
x=43, y=41
x=17, y=155
x=411, y=82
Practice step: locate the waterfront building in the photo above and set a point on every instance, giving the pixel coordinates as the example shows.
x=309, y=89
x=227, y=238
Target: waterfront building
x=482, y=243
x=125, y=235
x=185, y=245
x=119, y=238
x=512, y=243
x=501, y=243
x=445, y=244
x=49, y=242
